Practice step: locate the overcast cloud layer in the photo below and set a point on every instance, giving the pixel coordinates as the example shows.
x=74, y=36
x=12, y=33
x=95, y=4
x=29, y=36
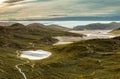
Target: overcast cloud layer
x=40, y=9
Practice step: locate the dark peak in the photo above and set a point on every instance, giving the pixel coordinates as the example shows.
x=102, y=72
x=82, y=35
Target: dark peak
x=114, y=23
x=36, y=25
x=57, y=27
x=98, y=26
x=89, y=24
x=54, y=25
x=17, y=25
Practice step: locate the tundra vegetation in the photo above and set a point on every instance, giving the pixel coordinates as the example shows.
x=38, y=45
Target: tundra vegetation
x=89, y=59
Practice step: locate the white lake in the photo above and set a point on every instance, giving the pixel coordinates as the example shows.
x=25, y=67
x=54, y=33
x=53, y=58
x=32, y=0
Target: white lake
x=35, y=55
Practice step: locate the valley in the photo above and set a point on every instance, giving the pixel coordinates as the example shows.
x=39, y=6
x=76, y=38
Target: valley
x=69, y=54
x=59, y=39
x=88, y=34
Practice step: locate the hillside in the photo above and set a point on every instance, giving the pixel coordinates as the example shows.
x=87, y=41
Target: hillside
x=98, y=26
x=20, y=37
x=81, y=60
x=116, y=31
x=57, y=27
x=88, y=60
x=30, y=33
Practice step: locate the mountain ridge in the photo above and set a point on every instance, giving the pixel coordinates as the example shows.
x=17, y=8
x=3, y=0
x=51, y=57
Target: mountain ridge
x=98, y=26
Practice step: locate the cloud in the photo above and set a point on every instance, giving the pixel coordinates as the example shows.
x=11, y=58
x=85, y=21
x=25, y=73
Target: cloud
x=26, y=9
x=12, y=1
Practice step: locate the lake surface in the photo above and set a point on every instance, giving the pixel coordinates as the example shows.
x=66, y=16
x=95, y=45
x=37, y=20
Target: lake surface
x=35, y=55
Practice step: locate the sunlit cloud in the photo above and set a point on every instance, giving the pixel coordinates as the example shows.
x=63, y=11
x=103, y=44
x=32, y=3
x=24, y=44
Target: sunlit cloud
x=27, y=9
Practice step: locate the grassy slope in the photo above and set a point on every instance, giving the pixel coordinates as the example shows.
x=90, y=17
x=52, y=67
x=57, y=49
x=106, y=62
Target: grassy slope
x=19, y=37
x=92, y=59
x=57, y=27
x=82, y=60
x=116, y=31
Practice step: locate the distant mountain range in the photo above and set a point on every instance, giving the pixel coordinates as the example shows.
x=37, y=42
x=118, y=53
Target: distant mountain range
x=98, y=26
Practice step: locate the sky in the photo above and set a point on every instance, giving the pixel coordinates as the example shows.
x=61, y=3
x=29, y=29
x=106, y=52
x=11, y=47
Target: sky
x=45, y=9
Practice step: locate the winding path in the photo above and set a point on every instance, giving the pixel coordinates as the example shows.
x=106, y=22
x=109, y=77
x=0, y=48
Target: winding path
x=19, y=69
x=39, y=53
